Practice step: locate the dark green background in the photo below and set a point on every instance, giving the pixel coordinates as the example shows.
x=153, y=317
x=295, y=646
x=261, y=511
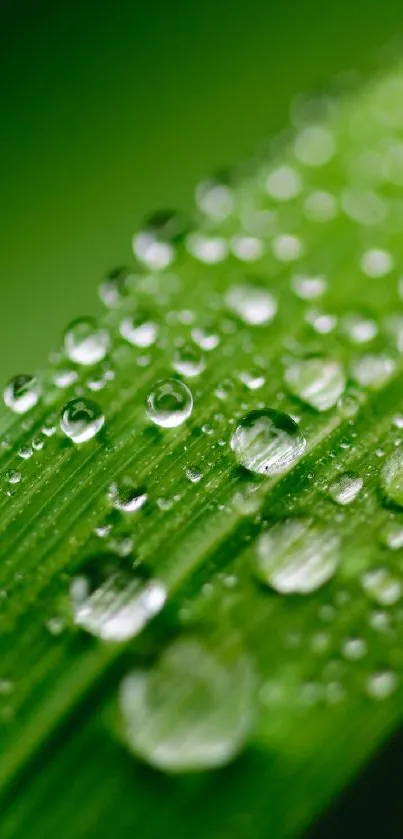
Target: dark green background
x=111, y=109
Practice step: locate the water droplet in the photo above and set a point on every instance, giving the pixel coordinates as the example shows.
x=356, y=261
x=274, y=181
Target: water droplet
x=113, y=601
x=192, y=711
x=126, y=498
x=247, y=248
x=346, y=488
x=321, y=322
x=208, y=249
x=112, y=289
x=188, y=361
x=215, y=199
x=392, y=536
x=376, y=263
x=372, y=371
x=381, y=685
x=81, y=419
x=381, y=586
x=85, y=342
x=169, y=403
x=297, y=556
x=65, y=378
x=314, y=146
x=267, y=442
x=205, y=338
x=308, y=288
x=13, y=477
x=354, y=649
x=320, y=206
x=287, y=248
x=317, y=381
x=139, y=330
x=359, y=328
x=252, y=379
x=155, y=244
x=22, y=393
x=392, y=477
x=255, y=305
x=283, y=183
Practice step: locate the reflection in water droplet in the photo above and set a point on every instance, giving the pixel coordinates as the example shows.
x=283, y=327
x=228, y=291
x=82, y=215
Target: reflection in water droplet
x=317, y=381
x=81, y=419
x=381, y=685
x=139, y=330
x=22, y=393
x=126, y=498
x=192, y=711
x=85, y=342
x=267, y=442
x=253, y=304
x=297, y=556
x=113, y=601
x=188, y=361
x=346, y=488
x=169, y=403
x=392, y=477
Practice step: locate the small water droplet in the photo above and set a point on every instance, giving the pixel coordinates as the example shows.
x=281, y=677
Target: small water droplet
x=392, y=536
x=320, y=206
x=169, y=403
x=308, y=288
x=381, y=685
x=126, y=498
x=372, y=371
x=317, y=381
x=205, y=338
x=314, y=145
x=193, y=475
x=255, y=305
x=287, y=248
x=154, y=245
x=252, y=379
x=22, y=393
x=81, y=419
x=113, y=288
x=13, y=477
x=188, y=361
x=139, y=329
x=359, y=328
x=85, y=342
x=297, y=556
x=346, y=488
x=208, y=249
x=376, y=263
x=267, y=442
x=381, y=586
x=283, y=183
x=392, y=477
x=113, y=601
x=354, y=649
x=215, y=199
x=193, y=710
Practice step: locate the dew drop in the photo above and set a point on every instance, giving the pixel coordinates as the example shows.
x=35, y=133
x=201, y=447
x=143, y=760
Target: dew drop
x=169, y=403
x=254, y=305
x=392, y=477
x=126, y=498
x=208, y=249
x=13, y=477
x=154, y=245
x=392, y=536
x=287, y=248
x=359, y=328
x=85, y=342
x=215, y=199
x=314, y=146
x=81, y=419
x=346, y=488
x=113, y=288
x=381, y=586
x=308, y=288
x=113, y=601
x=320, y=206
x=283, y=183
x=252, y=379
x=22, y=394
x=372, y=371
x=318, y=381
x=267, y=442
x=139, y=330
x=205, y=338
x=188, y=361
x=381, y=685
x=297, y=556
x=192, y=710
x=354, y=649
x=376, y=263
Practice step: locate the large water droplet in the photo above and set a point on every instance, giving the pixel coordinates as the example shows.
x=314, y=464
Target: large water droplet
x=22, y=393
x=267, y=442
x=85, y=342
x=297, y=556
x=317, y=381
x=392, y=477
x=192, y=711
x=113, y=601
x=169, y=403
x=346, y=488
x=255, y=305
x=81, y=419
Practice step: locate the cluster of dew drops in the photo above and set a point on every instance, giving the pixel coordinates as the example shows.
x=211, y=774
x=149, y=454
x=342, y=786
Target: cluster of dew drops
x=250, y=221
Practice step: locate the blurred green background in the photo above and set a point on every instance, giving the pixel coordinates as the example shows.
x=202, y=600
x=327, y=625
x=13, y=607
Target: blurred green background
x=112, y=109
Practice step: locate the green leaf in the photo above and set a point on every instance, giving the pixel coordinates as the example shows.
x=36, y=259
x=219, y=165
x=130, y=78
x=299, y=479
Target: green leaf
x=281, y=632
